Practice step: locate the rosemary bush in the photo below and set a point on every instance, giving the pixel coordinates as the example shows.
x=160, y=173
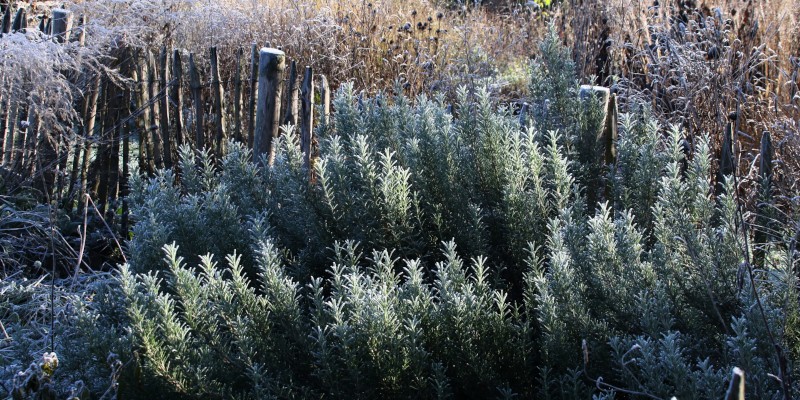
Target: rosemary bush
x=495, y=265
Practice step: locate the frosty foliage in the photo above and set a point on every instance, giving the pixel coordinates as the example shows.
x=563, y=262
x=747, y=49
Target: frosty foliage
x=449, y=253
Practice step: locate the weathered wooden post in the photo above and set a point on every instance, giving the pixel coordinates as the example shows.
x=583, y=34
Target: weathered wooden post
x=31, y=135
x=325, y=98
x=290, y=114
x=237, y=97
x=253, y=95
x=103, y=158
x=20, y=21
x=271, y=64
x=146, y=162
x=307, y=115
x=152, y=90
x=18, y=157
x=523, y=116
x=197, y=100
x=10, y=125
x=88, y=129
x=61, y=25
x=736, y=387
x=163, y=106
x=81, y=30
x=726, y=160
x=764, y=216
x=176, y=97
x=610, y=134
x=126, y=151
x=6, y=27
x=35, y=136
x=218, y=116
x=765, y=162
x=8, y=117
x=607, y=136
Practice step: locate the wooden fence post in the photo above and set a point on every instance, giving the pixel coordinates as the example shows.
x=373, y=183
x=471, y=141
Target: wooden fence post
x=126, y=151
x=31, y=132
x=152, y=91
x=81, y=30
x=764, y=225
x=325, y=98
x=270, y=77
x=176, y=98
x=146, y=162
x=290, y=114
x=610, y=133
x=237, y=97
x=88, y=130
x=6, y=28
x=523, y=116
x=163, y=106
x=20, y=21
x=736, y=388
x=253, y=95
x=197, y=100
x=61, y=25
x=9, y=125
x=103, y=158
x=18, y=157
x=726, y=159
x=307, y=118
x=218, y=116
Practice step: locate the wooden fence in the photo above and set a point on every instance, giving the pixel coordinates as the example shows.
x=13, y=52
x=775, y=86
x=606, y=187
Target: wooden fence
x=167, y=98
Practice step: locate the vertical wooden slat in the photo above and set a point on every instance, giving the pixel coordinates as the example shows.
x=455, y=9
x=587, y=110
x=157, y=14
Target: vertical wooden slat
x=126, y=151
x=176, y=98
x=218, y=117
x=26, y=143
x=237, y=97
x=36, y=136
x=9, y=124
x=253, y=95
x=61, y=25
x=163, y=107
x=325, y=98
x=82, y=30
x=89, y=119
x=104, y=149
x=152, y=90
x=271, y=64
x=18, y=156
x=197, y=100
x=764, y=225
x=6, y=28
x=726, y=159
x=290, y=115
x=20, y=20
x=609, y=133
x=5, y=96
x=307, y=115
x=523, y=116
x=74, y=171
x=146, y=162
x=115, y=135
x=736, y=387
